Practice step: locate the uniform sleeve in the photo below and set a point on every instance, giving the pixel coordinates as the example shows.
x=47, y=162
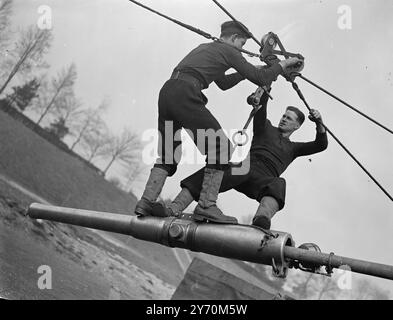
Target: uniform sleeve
x=228, y=81
x=259, y=121
x=260, y=77
x=306, y=148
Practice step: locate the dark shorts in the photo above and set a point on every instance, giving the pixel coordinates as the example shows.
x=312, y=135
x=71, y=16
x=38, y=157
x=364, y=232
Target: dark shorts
x=183, y=105
x=256, y=184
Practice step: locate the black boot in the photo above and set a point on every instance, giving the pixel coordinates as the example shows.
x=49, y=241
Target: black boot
x=207, y=208
x=266, y=210
x=153, y=189
x=176, y=207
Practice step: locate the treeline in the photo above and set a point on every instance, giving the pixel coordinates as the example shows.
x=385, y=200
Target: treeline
x=52, y=103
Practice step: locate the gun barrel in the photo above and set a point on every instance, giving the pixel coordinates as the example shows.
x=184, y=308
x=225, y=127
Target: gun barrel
x=230, y=241
x=334, y=261
x=144, y=229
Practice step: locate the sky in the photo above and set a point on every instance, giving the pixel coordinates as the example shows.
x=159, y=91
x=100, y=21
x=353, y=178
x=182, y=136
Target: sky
x=126, y=53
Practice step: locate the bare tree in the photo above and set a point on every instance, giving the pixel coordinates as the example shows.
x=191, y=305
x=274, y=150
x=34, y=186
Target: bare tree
x=68, y=108
x=28, y=53
x=62, y=85
x=95, y=141
x=5, y=13
x=124, y=149
x=132, y=172
x=90, y=121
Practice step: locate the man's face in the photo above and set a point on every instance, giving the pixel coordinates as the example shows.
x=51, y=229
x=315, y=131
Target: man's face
x=288, y=122
x=239, y=41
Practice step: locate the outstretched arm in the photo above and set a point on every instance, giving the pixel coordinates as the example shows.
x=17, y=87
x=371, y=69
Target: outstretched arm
x=319, y=144
x=259, y=76
x=261, y=115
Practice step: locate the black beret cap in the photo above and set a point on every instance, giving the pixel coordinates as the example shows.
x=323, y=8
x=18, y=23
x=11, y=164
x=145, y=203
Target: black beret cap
x=236, y=27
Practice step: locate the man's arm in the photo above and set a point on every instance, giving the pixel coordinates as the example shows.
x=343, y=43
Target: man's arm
x=259, y=120
x=319, y=144
x=259, y=76
x=228, y=81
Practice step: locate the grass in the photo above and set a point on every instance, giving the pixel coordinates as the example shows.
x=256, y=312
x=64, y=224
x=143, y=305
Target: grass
x=53, y=174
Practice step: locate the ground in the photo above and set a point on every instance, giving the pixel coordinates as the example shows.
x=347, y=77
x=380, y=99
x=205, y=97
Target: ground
x=85, y=264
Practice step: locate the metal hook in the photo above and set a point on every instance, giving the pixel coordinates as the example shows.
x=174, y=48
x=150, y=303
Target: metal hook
x=239, y=143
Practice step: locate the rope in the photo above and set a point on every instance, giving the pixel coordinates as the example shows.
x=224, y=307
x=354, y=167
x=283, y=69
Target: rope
x=304, y=78
x=296, y=87
x=251, y=54
x=345, y=103
x=193, y=29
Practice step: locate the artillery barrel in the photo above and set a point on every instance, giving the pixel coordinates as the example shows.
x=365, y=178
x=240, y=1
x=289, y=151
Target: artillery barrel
x=240, y=242
x=334, y=261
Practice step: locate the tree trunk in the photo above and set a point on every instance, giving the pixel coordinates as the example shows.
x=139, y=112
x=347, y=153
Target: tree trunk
x=51, y=102
x=11, y=75
x=108, y=166
x=91, y=156
x=80, y=135
x=93, y=153
x=48, y=107
x=17, y=65
x=11, y=101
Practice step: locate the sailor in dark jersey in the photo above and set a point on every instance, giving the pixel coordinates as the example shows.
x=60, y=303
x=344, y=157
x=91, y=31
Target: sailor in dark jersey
x=270, y=154
x=182, y=104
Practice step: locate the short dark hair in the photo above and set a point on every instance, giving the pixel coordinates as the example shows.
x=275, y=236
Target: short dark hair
x=299, y=114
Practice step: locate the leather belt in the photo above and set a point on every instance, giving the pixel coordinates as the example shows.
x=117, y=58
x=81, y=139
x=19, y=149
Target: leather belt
x=187, y=77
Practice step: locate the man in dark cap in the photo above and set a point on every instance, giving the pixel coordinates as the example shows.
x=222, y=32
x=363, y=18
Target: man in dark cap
x=182, y=104
x=270, y=154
